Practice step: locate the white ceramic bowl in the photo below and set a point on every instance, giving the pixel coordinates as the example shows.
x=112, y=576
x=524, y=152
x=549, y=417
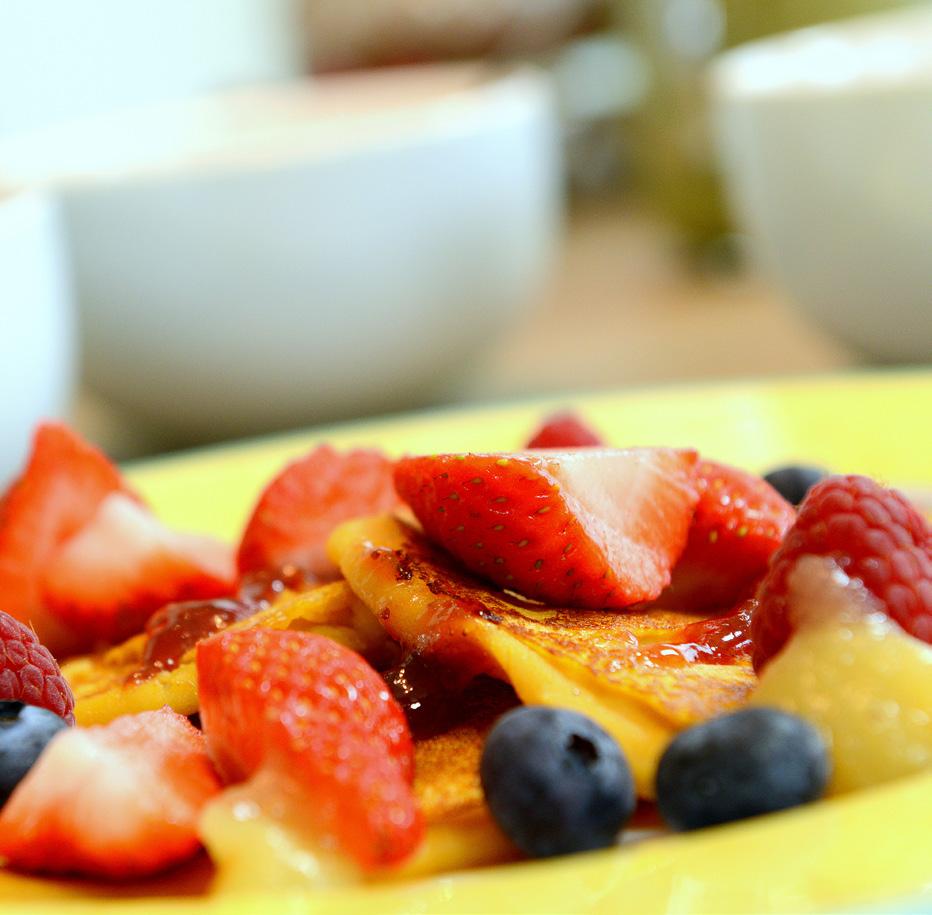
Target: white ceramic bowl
x=37, y=336
x=264, y=258
x=65, y=59
x=826, y=146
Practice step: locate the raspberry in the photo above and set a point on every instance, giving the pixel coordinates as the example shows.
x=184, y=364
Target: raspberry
x=28, y=672
x=875, y=535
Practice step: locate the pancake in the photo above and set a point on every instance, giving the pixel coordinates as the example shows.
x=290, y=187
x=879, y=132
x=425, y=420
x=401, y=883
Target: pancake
x=598, y=662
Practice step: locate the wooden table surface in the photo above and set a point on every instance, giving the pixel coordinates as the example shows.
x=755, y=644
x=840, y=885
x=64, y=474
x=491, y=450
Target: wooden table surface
x=623, y=307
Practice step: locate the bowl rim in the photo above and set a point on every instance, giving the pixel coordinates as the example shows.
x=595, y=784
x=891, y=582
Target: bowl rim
x=226, y=131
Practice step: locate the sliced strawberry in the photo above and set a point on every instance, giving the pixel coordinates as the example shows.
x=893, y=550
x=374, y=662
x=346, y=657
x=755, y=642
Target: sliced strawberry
x=301, y=506
x=64, y=482
x=584, y=528
x=28, y=672
x=116, y=801
x=106, y=581
x=740, y=520
x=874, y=535
x=318, y=718
x=564, y=430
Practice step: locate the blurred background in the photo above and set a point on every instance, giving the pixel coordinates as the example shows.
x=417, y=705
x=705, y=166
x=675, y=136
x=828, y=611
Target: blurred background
x=221, y=218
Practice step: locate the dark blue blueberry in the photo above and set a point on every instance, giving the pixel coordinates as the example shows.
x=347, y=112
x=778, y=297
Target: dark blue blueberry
x=555, y=782
x=740, y=765
x=794, y=481
x=24, y=732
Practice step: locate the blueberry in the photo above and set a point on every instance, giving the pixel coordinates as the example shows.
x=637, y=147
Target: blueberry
x=740, y=765
x=555, y=782
x=794, y=481
x=24, y=732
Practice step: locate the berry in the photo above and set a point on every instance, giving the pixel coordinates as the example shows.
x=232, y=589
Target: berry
x=874, y=535
x=24, y=732
x=105, y=582
x=300, y=507
x=564, y=430
x=555, y=782
x=60, y=490
x=739, y=521
x=28, y=672
x=740, y=765
x=318, y=719
x=794, y=481
x=585, y=528
x=116, y=801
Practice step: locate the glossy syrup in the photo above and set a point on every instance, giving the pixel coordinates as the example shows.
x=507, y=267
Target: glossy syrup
x=720, y=640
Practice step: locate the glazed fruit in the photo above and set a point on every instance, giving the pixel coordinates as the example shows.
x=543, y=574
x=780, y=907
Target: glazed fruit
x=116, y=801
x=25, y=730
x=855, y=674
x=564, y=430
x=739, y=522
x=105, y=582
x=82, y=561
x=741, y=765
x=313, y=719
x=60, y=490
x=794, y=481
x=28, y=672
x=874, y=535
x=585, y=528
x=555, y=781
x=298, y=509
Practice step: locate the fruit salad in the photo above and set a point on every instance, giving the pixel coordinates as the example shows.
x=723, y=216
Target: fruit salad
x=407, y=666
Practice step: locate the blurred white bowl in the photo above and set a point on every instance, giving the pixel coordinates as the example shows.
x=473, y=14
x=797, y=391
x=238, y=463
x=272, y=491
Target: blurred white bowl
x=64, y=59
x=37, y=339
x=826, y=144
x=264, y=258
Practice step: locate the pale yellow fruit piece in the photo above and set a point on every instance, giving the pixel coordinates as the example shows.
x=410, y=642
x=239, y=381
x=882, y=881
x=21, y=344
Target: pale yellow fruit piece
x=585, y=660
x=856, y=675
x=103, y=690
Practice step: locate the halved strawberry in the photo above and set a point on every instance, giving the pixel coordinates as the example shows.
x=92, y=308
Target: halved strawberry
x=300, y=507
x=319, y=720
x=582, y=528
x=117, y=801
x=740, y=520
x=124, y=564
x=28, y=672
x=876, y=537
x=61, y=488
x=564, y=430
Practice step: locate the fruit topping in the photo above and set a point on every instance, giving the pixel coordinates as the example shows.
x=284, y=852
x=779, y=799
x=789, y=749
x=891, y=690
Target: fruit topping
x=564, y=430
x=309, y=721
x=58, y=493
x=874, y=535
x=300, y=507
x=28, y=672
x=586, y=528
x=116, y=801
x=555, y=781
x=108, y=579
x=739, y=521
x=741, y=765
x=795, y=480
x=24, y=732
x=853, y=672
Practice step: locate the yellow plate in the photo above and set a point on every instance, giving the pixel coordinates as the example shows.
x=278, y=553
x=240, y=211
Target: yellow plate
x=865, y=849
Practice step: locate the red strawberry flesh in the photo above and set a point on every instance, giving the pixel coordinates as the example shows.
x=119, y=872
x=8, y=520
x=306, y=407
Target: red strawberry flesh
x=28, y=672
x=319, y=718
x=564, y=430
x=580, y=528
x=874, y=535
x=116, y=801
x=300, y=507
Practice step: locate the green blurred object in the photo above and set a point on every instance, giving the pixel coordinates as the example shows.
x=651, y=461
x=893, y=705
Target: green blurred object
x=673, y=156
